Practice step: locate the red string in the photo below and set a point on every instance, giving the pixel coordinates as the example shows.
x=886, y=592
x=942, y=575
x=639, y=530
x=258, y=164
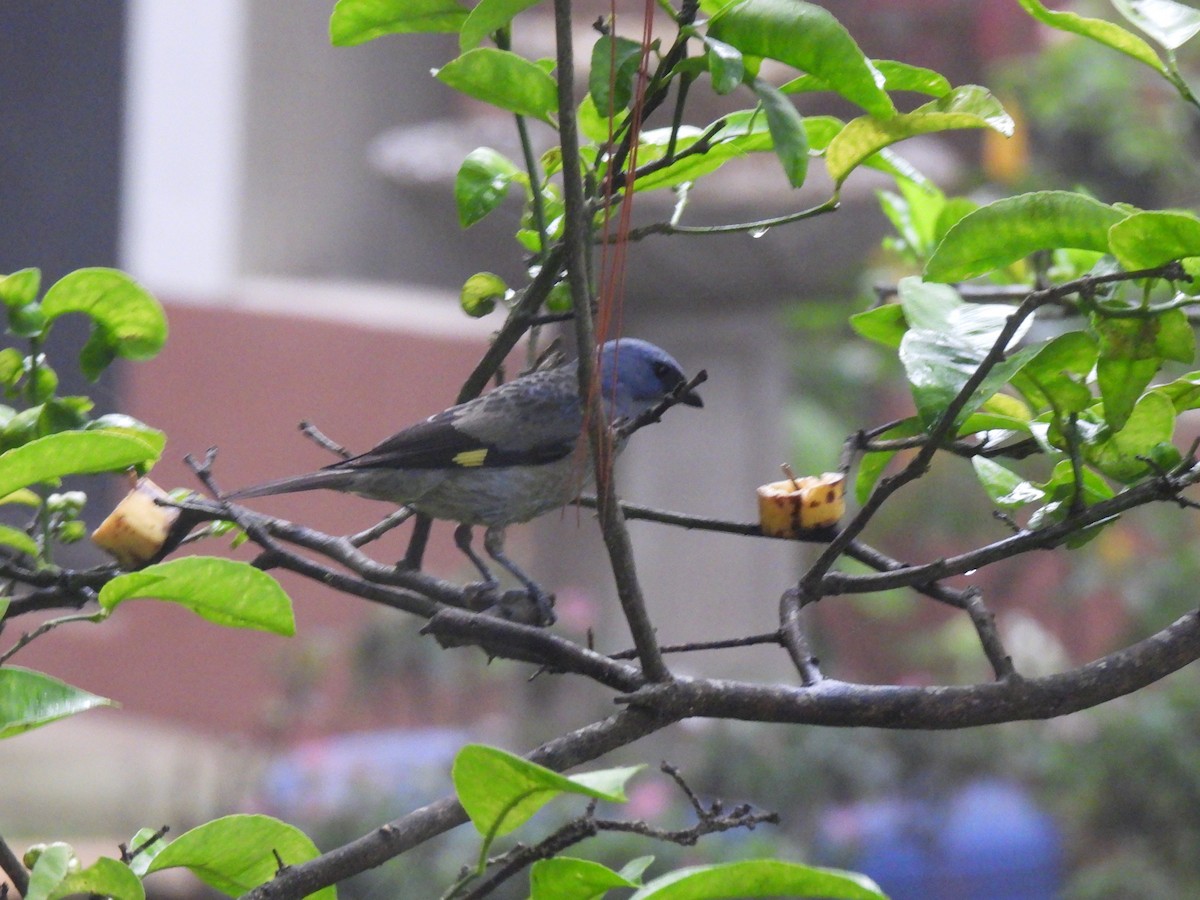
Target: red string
x=614, y=253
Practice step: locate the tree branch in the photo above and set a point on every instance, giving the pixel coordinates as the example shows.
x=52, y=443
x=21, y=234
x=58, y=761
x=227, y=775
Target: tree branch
x=390, y=840
x=14, y=868
x=841, y=704
x=1165, y=487
x=455, y=627
x=577, y=236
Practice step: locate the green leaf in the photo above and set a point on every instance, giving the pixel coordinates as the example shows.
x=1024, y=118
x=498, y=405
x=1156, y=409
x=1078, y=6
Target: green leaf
x=1006, y=488
x=30, y=699
x=559, y=298
x=725, y=65
x=1060, y=492
x=931, y=306
x=1176, y=339
x=1098, y=30
x=615, y=63
x=235, y=854
x=1183, y=392
x=745, y=135
x=12, y=366
x=810, y=39
x=821, y=131
x=27, y=321
x=947, y=341
x=1057, y=375
x=884, y=324
x=1122, y=380
x=759, y=878
x=488, y=17
x=871, y=467
x=592, y=126
x=1002, y=406
x=20, y=288
x=65, y=414
x=969, y=106
x=70, y=453
x=223, y=591
x=19, y=429
x=24, y=496
x=951, y=213
x=1061, y=484
x=938, y=365
x=1171, y=24
x=938, y=307
x=1131, y=353
x=745, y=131
x=900, y=76
x=480, y=292
x=1008, y=230
x=119, y=423
x=482, y=184
x=1120, y=454
x=636, y=867
x=104, y=878
x=914, y=214
x=1148, y=239
x=565, y=878
x=50, y=869
x=500, y=791
x=42, y=384
x=127, y=321
x=788, y=135
x=358, y=21
x=19, y=541
x=897, y=76
x=503, y=79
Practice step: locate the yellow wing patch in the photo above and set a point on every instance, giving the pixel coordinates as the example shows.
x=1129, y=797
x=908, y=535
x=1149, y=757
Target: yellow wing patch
x=470, y=458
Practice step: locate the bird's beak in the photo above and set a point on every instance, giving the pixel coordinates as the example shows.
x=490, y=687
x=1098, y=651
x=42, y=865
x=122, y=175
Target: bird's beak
x=691, y=398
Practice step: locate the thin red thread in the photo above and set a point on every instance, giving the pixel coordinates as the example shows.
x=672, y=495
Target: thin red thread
x=613, y=268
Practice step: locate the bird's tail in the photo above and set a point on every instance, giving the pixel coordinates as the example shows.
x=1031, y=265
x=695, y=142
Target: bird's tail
x=324, y=478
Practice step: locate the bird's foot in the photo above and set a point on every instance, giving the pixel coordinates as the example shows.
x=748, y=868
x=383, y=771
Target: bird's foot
x=522, y=605
x=543, y=605
x=481, y=595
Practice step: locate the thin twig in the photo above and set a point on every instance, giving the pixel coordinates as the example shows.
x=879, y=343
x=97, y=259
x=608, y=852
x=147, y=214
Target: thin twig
x=758, y=227
x=750, y=640
x=654, y=414
x=47, y=626
x=128, y=856
x=14, y=868
x=795, y=641
x=1167, y=488
x=322, y=440
x=386, y=524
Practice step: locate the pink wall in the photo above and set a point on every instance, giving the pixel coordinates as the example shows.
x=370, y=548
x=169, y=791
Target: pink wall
x=242, y=381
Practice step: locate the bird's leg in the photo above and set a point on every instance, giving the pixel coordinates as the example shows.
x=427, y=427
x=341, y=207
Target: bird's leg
x=493, y=543
x=462, y=540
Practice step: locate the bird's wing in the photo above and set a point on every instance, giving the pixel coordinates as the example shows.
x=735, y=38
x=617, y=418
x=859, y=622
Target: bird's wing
x=532, y=420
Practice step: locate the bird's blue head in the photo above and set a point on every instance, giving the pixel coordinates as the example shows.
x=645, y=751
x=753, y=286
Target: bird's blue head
x=635, y=375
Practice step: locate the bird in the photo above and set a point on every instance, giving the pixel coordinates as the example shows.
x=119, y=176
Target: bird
x=505, y=457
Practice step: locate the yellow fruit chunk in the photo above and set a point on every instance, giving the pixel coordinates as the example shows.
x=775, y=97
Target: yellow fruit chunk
x=789, y=508
x=136, y=530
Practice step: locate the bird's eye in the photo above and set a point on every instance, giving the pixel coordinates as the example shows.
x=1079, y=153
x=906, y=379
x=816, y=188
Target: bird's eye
x=661, y=369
